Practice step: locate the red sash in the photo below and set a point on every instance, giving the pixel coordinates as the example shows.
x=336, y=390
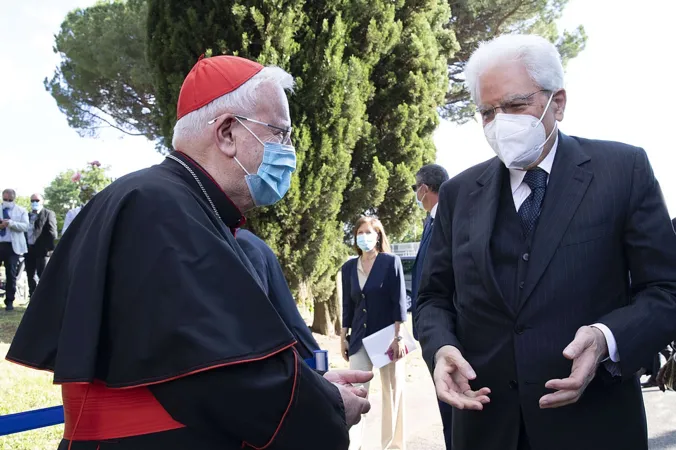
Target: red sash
x=94, y=412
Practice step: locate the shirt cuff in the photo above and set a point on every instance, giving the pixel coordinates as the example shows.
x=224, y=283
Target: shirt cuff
x=613, y=353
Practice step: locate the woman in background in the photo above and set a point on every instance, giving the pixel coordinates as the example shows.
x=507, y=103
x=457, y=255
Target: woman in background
x=374, y=297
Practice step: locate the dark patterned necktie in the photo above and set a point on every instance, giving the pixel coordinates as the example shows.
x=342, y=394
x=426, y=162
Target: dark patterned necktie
x=529, y=212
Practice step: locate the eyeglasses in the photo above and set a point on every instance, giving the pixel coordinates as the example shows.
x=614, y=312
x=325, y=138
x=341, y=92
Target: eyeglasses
x=285, y=133
x=517, y=105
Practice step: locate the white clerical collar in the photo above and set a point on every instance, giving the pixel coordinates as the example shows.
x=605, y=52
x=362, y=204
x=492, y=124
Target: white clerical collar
x=516, y=176
x=433, y=212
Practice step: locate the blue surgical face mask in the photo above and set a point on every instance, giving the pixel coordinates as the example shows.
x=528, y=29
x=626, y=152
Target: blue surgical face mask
x=35, y=206
x=7, y=205
x=420, y=201
x=273, y=178
x=367, y=242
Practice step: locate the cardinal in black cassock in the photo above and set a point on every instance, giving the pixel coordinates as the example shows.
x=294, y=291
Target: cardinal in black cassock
x=153, y=319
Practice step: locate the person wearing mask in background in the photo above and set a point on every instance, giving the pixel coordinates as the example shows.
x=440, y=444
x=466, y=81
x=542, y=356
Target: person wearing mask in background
x=374, y=297
x=428, y=181
x=275, y=286
x=151, y=316
x=551, y=274
x=42, y=234
x=13, y=228
x=86, y=194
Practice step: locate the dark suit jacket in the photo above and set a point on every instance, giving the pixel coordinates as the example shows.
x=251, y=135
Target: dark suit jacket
x=275, y=286
x=45, y=232
x=418, y=265
x=381, y=303
x=603, y=217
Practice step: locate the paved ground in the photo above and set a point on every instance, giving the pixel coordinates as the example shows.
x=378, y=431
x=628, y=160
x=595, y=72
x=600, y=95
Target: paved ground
x=424, y=423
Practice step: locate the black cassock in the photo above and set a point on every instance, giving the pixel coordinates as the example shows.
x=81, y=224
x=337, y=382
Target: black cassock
x=158, y=328
x=272, y=279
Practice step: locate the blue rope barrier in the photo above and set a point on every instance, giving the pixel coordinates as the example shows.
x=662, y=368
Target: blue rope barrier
x=30, y=420
x=47, y=417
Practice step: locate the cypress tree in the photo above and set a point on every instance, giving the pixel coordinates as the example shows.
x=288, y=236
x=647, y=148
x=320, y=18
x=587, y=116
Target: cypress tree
x=369, y=76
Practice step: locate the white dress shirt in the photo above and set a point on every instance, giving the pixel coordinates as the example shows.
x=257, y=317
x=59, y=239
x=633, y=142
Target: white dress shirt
x=520, y=192
x=433, y=212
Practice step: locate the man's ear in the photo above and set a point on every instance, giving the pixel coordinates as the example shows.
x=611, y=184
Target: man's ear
x=223, y=134
x=559, y=101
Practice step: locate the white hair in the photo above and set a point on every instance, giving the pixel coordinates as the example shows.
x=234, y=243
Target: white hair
x=240, y=101
x=538, y=55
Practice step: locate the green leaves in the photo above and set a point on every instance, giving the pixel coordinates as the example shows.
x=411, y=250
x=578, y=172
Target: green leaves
x=64, y=192
x=103, y=80
x=475, y=21
x=371, y=76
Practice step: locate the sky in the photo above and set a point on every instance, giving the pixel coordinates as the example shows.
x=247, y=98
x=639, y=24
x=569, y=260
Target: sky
x=619, y=88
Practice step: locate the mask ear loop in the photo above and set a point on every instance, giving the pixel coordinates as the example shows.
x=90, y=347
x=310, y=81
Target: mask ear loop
x=556, y=126
x=254, y=135
x=551, y=97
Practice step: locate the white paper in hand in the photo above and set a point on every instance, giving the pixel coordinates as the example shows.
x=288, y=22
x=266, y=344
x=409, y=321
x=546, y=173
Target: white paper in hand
x=378, y=343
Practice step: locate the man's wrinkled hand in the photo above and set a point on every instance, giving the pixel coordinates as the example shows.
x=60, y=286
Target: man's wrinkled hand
x=586, y=351
x=452, y=374
x=354, y=397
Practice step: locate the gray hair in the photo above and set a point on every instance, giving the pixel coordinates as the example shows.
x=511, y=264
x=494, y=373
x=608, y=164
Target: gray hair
x=433, y=175
x=241, y=101
x=538, y=55
x=11, y=192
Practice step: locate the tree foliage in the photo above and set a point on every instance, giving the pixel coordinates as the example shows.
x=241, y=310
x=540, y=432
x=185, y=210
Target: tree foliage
x=65, y=191
x=475, y=21
x=24, y=201
x=103, y=79
x=370, y=75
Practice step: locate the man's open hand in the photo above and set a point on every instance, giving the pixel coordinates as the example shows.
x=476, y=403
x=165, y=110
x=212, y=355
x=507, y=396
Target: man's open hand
x=452, y=374
x=354, y=397
x=586, y=351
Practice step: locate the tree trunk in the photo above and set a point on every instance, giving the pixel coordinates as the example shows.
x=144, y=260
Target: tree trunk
x=327, y=317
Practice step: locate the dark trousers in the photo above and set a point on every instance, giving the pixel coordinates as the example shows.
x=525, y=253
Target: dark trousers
x=11, y=262
x=35, y=265
x=446, y=411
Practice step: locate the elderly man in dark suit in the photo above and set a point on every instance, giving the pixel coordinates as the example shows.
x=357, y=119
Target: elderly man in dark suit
x=42, y=235
x=526, y=314
x=428, y=181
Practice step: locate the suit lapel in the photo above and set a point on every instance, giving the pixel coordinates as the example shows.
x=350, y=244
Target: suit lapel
x=485, y=201
x=567, y=185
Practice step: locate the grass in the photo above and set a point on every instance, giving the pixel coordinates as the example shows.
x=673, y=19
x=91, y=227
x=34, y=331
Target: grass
x=23, y=389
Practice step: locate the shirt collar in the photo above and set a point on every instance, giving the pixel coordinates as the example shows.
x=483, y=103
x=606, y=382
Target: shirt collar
x=433, y=212
x=516, y=176
x=231, y=215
